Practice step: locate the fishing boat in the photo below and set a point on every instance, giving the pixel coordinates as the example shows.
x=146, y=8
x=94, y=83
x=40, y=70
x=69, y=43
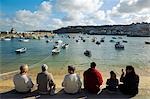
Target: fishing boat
x=119, y=46
x=47, y=41
x=87, y=53
x=114, y=38
x=119, y=37
x=21, y=50
x=24, y=40
x=6, y=39
x=102, y=40
x=98, y=43
x=111, y=41
x=124, y=41
x=64, y=46
x=55, y=51
x=146, y=42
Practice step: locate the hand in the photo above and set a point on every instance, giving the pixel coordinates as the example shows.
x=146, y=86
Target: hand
x=122, y=72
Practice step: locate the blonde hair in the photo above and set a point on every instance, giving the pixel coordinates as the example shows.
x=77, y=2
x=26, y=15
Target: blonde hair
x=24, y=68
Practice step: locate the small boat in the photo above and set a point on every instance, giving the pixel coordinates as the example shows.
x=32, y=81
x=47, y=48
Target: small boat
x=24, y=40
x=59, y=42
x=114, y=38
x=47, y=41
x=77, y=40
x=111, y=41
x=64, y=46
x=55, y=51
x=83, y=40
x=93, y=39
x=6, y=39
x=119, y=46
x=87, y=53
x=124, y=41
x=119, y=37
x=98, y=43
x=102, y=40
x=146, y=42
x=21, y=50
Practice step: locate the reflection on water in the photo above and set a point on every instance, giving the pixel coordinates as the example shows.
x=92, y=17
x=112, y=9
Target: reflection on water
x=38, y=52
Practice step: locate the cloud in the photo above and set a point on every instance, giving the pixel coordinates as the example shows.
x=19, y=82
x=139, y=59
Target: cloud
x=62, y=13
x=132, y=6
x=130, y=11
x=27, y=20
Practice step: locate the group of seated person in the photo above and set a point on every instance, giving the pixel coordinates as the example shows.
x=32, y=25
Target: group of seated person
x=72, y=84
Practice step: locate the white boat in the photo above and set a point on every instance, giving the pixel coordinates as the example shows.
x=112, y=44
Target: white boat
x=55, y=50
x=24, y=40
x=21, y=50
x=119, y=46
x=47, y=41
x=7, y=39
x=64, y=46
x=59, y=42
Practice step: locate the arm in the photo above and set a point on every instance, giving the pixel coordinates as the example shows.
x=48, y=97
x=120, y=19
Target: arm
x=122, y=76
x=79, y=81
x=51, y=80
x=99, y=78
x=107, y=82
x=30, y=83
x=64, y=82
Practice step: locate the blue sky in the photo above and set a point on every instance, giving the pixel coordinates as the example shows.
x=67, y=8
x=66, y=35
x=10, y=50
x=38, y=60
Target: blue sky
x=53, y=14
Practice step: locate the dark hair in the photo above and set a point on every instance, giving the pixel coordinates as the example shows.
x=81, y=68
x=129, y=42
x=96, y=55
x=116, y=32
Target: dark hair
x=72, y=68
x=112, y=73
x=93, y=65
x=129, y=67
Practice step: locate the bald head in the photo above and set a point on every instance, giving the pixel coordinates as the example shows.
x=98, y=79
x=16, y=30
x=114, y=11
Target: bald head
x=24, y=68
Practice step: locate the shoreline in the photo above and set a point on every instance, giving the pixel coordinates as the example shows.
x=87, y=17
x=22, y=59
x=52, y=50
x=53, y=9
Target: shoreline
x=6, y=83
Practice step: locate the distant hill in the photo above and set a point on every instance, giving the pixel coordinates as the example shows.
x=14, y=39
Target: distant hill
x=138, y=30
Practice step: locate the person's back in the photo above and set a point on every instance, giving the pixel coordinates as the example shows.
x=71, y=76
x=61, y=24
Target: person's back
x=45, y=81
x=22, y=82
x=112, y=82
x=92, y=79
x=130, y=81
x=72, y=83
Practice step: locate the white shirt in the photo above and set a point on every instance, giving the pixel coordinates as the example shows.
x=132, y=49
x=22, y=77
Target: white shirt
x=72, y=83
x=22, y=83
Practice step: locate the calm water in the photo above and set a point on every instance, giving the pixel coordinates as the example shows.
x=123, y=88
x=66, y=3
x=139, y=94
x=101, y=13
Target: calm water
x=38, y=52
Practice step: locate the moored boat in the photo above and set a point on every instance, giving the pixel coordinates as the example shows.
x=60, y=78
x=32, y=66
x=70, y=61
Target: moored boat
x=21, y=50
x=146, y=42
x=119, y=46
x=98, y=43
x=55, y=51
x=64, y=46
x=124, y=41
x=87, y=53
x=24, y=40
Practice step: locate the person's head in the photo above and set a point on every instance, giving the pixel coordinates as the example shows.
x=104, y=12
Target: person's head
x=112, y=75
x=71, y=69
x=93, y=65
x=130, y=69
x=24, y=68
x=44, y=67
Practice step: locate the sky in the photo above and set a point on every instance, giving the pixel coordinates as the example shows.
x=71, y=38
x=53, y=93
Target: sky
x=25, y=15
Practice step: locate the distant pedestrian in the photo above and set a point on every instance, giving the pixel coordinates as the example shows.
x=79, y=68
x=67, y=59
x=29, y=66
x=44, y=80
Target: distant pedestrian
x=92, y=79
x=71, y=83
x=112, y=82
x=22, y=81
x=45, y=81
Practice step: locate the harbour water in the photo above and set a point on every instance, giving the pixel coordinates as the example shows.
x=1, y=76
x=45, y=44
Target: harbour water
x=136, y=53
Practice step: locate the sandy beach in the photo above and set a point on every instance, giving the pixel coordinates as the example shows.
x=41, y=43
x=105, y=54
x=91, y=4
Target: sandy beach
x=6, y=83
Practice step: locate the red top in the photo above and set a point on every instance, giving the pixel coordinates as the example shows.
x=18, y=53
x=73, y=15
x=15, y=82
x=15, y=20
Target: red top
x=92, y=80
